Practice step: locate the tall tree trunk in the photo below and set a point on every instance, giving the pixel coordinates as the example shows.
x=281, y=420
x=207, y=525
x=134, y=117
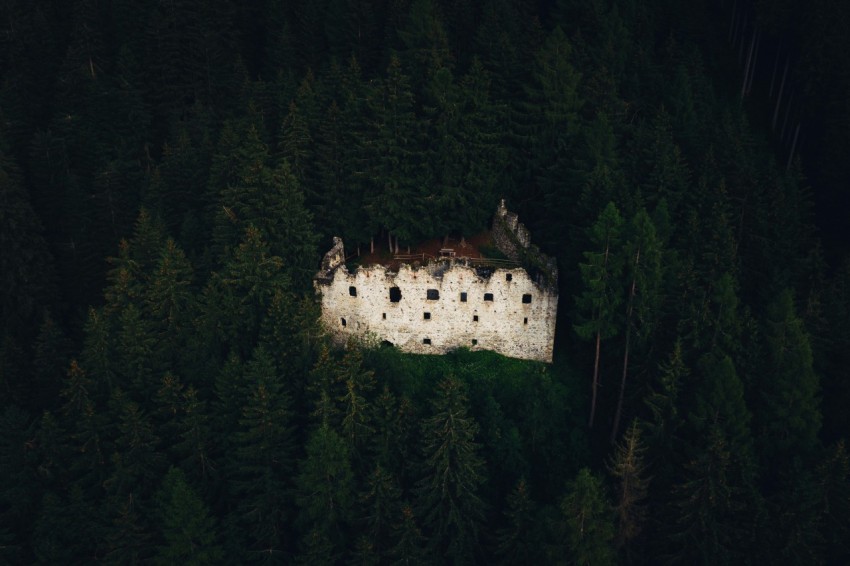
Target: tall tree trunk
x=755, y=60
x=629, y=311
x=747, y=66
x=734, y=16
x=595, y=379
x=598, y=345
x=793, y=148
x=785, y=120
x=779, y=98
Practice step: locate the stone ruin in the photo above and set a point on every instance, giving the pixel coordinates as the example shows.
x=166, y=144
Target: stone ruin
x=507, y=306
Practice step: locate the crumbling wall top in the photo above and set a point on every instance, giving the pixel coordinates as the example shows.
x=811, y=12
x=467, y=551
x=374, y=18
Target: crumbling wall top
x=513, y=239
x=333, y=259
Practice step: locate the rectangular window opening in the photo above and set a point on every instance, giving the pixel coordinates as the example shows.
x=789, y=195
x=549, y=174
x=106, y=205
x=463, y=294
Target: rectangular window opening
x=433, y=295
x=426, y=341
x=352, y=291
x=395, y=294
x=427, y=316
x=488, y=296
x=526, y=299
x=463, y=297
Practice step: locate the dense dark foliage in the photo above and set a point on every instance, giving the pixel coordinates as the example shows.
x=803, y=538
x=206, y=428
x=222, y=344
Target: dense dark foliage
x=177, y=402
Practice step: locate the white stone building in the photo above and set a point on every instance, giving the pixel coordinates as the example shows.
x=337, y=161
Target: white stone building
x=449, y=302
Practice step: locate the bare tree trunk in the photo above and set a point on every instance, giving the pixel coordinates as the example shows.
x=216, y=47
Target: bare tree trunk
x=747, y=66
x=793, y=148
x=734, y=16
x=755, y=60
x=595, y=379
x=785, y=120
x=598, y=344
x=629, y=311
x=779, y=98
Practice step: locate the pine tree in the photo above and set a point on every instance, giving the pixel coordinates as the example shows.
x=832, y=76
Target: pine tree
x=409, y=549
x=601, y=296
x=629, y=471
x=325, y=487
x=398, y=198
x=790, y=416
x=357, y=382
x=169, y=301
x=520, y=541
x=590, y=525
x=394, y=434
x=187, y=528
x=194, y=447
x=551, y=110
x=263, y=460
x=237, y=299
x=126, y=536
x=239, y=158
x=448, y=492
x=663, y=427
x=136, y=462
x=135, y=363
x=702, y=527
x=85, y=426
x=381, y=504
x=426, y=44
x=644, y=270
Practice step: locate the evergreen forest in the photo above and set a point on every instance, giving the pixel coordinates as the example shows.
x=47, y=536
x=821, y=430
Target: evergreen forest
x=171, y=173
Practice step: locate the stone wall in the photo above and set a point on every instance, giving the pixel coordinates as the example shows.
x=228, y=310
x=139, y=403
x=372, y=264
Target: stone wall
x=518, y=322
x=445, y=304
x=509, y=235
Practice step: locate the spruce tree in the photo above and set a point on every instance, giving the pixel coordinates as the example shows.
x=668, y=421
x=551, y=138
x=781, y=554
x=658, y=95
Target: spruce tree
x=643, y=257
x=188, y=531
x=601, y=297
x=789, y=412
x=381, y=504
x=590, y=524
x=409, y=549
x=262, y=461
x=325, y=488
x=520, y=541
x=449, y=499
x=629, y=470
x=397, y=199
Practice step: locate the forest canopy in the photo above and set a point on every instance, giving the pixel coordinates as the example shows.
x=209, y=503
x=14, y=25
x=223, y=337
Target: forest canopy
x=170, y=174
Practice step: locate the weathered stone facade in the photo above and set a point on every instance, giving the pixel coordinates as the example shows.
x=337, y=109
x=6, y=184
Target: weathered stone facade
x=443, y=305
